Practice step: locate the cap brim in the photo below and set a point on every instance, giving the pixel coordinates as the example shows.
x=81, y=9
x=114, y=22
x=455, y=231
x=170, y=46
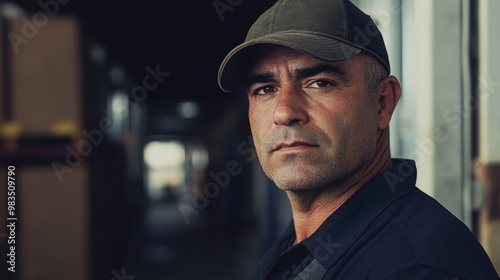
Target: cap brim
x=234, y=68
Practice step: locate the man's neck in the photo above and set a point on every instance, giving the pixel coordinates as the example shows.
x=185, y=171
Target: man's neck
x=311, y=208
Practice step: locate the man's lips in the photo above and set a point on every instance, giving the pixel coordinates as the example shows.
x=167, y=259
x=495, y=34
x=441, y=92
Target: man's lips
x=293, y=146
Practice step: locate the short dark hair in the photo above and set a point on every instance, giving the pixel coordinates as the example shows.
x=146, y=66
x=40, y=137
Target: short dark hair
x=374, y=73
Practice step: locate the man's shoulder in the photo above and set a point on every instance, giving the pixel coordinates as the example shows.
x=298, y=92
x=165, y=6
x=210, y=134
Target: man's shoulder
x=424, y=220
x=423, y=233
x=418, y=207
x=414, y=235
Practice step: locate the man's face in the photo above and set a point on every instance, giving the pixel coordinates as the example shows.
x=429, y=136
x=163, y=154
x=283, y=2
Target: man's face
x=311, y=121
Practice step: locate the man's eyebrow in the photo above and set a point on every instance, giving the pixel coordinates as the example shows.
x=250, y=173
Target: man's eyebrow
x=260, y=78
x=318, y=69
x=298, y=74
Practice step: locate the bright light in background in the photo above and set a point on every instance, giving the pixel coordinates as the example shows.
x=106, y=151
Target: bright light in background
x=165, y=172
x=188, y=110
x=11, y=10
x=119, y=103
x=118, y=109
x=164, y=154
x=200, y=158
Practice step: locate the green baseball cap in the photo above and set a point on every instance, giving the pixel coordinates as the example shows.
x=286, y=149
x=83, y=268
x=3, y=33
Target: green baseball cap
x=328, y=30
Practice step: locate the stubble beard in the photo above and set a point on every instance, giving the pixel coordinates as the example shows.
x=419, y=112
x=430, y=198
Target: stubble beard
x=304, y=174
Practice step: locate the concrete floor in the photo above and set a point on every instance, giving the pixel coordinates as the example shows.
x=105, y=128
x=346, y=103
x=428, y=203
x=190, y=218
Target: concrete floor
x=171, y=249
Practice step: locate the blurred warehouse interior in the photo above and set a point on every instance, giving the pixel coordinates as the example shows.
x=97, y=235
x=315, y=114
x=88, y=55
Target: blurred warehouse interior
x=131, y=162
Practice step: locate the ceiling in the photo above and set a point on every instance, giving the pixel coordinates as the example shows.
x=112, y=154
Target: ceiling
x=187, y=39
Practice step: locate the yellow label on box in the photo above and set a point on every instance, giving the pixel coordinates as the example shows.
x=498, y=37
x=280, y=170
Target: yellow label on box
x=10, y=129
x=64, y=128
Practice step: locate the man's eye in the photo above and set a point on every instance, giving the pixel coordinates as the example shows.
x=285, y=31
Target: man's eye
x=321, y=84
x=264, y=90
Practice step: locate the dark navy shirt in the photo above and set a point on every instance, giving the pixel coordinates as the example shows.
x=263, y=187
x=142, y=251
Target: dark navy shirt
x=388, y=229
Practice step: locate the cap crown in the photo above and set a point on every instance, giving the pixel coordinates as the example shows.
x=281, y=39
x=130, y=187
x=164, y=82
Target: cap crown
x=327, y=30
x=338, y=19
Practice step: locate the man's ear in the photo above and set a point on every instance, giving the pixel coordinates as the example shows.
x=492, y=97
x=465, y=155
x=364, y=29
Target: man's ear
x=387, y=97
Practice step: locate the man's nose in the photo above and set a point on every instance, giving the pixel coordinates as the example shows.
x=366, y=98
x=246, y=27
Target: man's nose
x=290, y=107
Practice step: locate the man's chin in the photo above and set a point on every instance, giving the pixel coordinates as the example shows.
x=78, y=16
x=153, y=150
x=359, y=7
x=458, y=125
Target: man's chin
x=298, y=185
x=304, y=180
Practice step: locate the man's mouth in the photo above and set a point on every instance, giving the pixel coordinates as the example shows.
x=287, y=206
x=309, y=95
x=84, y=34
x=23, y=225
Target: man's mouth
x=293, y=146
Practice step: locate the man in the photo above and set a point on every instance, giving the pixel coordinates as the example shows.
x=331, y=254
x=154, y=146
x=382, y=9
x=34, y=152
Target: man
x=320, y=101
